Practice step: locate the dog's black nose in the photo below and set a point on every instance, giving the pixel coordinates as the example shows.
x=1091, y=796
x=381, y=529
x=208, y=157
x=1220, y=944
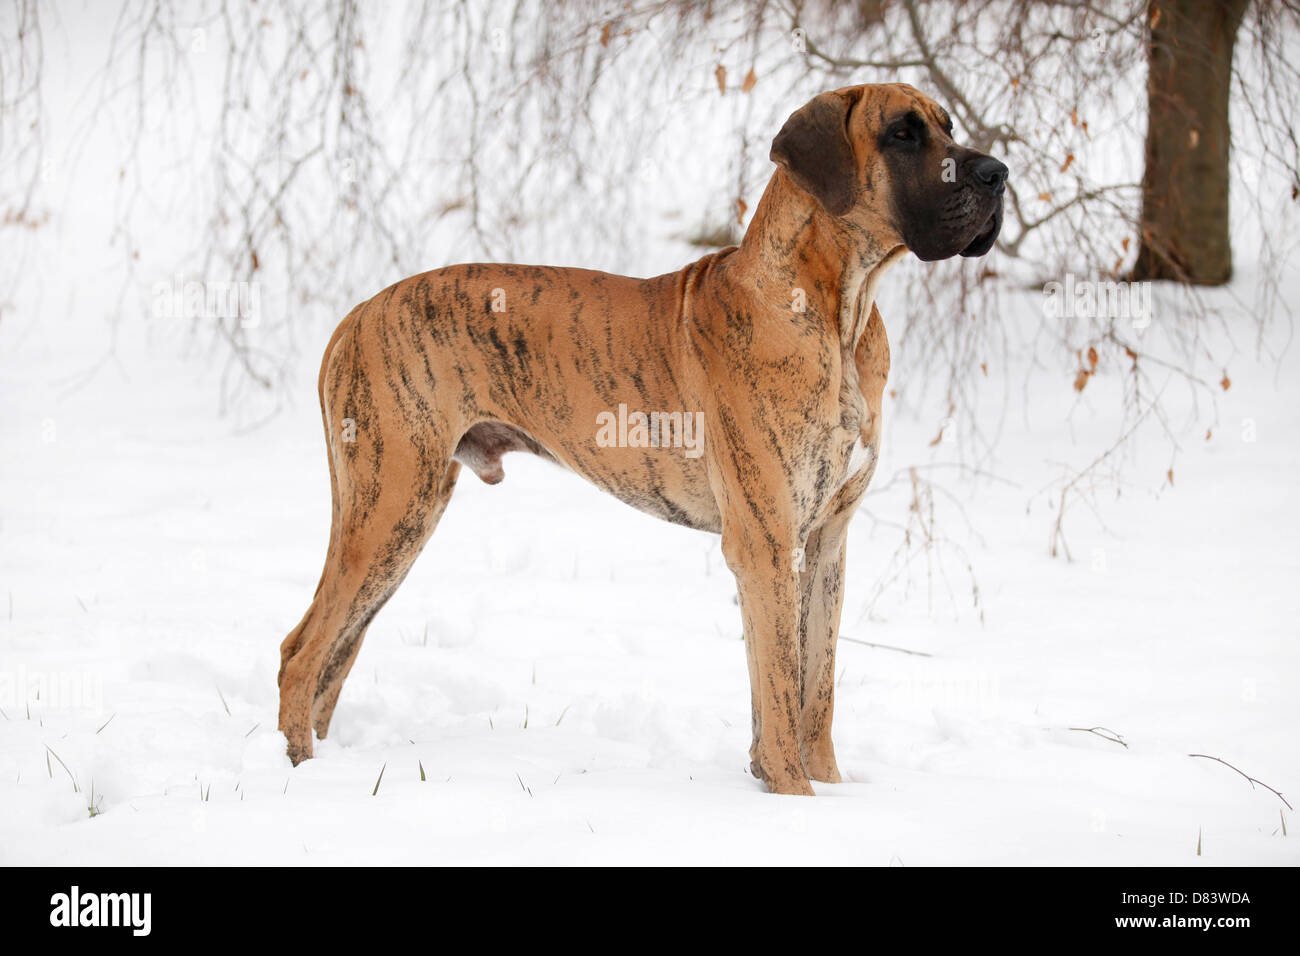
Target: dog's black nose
x=990, y=174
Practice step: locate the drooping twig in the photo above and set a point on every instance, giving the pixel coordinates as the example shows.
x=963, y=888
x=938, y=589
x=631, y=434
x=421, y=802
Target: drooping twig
x=885, y=647
x=1058, y=532
x=1252, y=780
x=1105, y=733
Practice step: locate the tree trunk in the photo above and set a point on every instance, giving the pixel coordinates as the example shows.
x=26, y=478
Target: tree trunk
x=1185, y=184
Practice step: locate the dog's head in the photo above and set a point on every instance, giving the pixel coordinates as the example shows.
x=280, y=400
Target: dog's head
x=882, y=156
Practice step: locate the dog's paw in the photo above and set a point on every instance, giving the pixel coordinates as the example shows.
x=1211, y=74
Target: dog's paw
x=788, y=782
x=825, y=773
x=820, y=765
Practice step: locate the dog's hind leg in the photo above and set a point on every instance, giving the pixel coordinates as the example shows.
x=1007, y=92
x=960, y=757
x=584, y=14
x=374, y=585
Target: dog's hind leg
x=344, y=653
x=392, y=476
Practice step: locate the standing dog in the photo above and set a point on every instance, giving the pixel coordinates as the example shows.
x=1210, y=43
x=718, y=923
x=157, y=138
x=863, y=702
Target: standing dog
x=777, y=342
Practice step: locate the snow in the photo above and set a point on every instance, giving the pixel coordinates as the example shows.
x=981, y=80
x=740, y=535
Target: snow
x=569, y=673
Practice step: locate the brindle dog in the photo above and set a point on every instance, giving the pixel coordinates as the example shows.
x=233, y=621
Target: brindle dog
x=777, y=341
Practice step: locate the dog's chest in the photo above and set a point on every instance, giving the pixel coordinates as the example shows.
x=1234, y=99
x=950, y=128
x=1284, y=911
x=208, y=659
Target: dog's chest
x=857, y=434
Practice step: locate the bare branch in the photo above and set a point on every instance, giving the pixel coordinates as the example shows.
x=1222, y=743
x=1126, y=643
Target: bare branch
x=1251, y=780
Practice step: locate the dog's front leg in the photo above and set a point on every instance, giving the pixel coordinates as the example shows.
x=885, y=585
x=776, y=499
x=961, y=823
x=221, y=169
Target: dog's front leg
x=764, y=563
x=822, y=583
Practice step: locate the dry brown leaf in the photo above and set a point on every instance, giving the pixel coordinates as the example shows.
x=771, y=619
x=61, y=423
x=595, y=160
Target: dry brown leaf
x=751, y=80
x=1044, y=197
x=721, y=74
x=1081, y=379
x=1068, y=160
x=1226, y=382
x=741, y=206
x=1092, y=358
x=604, y=34
x=1170, y=473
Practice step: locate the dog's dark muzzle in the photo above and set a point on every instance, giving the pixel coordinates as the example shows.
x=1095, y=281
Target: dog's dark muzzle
x=990, y=177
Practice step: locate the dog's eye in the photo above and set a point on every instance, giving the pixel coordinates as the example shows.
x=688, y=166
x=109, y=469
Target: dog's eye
x=904, y=135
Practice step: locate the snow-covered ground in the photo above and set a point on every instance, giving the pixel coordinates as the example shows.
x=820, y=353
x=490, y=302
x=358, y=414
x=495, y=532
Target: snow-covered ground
x=568, y=676
x=562, y=679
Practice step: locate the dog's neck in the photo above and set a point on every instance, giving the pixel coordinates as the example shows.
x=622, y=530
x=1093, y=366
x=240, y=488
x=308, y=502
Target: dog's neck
x=837, y=264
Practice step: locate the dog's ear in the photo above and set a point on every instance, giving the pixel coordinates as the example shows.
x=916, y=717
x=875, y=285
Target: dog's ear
x=813, y=147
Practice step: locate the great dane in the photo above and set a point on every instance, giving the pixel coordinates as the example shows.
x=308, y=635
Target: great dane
x=776, y=345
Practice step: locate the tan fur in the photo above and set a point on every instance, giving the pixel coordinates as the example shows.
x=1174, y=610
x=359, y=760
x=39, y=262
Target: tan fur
x=428, y=367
